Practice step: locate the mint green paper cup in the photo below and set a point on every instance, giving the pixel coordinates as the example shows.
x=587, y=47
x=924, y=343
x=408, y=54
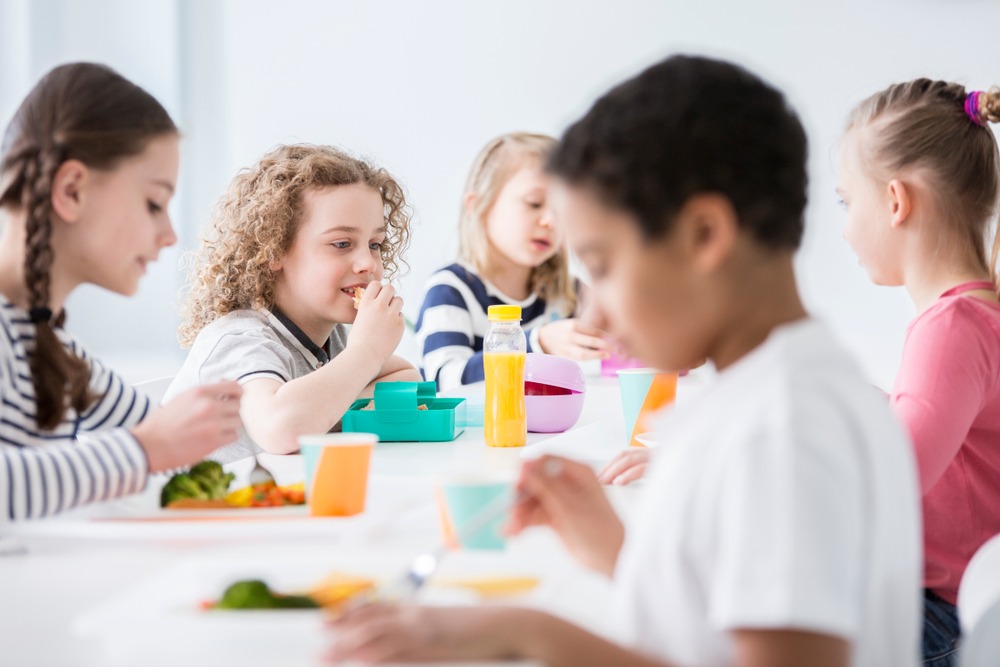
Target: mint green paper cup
x=634, y=384
x=465, y=500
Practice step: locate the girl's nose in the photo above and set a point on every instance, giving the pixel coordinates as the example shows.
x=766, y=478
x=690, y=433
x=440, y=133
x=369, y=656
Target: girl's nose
x=167, y=236
x=547, y=219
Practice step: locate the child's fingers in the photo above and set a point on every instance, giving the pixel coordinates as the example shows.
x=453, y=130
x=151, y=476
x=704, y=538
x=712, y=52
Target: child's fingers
x=555, y=482
x=630, y=475
x=372, y=291
x=396, y=305
x=386, y=294
x=589, y=342
x=624, y=461
x=588, y=330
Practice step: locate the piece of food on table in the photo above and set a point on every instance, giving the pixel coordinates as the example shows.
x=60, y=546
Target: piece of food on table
x=358, y=291
x=370, y=405
x=267, y=494
x=204, y=481
x=490, y=587
x=255, y=594
x=337, y=588
x=331, y=594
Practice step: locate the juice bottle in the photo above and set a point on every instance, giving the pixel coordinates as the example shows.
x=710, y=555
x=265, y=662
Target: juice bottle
x=505, y=422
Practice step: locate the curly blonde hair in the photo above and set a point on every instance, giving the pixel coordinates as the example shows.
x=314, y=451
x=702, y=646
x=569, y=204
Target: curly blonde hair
x=494, y=166
x=255, y=222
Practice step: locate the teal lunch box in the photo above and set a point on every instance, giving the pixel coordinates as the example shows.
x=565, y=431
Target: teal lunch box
x=396, y=417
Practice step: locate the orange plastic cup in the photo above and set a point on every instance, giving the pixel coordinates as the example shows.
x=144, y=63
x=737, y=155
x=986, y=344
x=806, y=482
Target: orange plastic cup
x=645, y=391
x=337, y=472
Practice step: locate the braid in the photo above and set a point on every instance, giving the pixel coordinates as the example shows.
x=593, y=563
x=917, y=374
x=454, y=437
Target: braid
x=54, y=371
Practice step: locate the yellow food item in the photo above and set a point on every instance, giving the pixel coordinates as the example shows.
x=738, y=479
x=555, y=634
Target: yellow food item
x=267, y=495
x=370, y=405
x=491, y=587
x=337, y=588
x=358, y=291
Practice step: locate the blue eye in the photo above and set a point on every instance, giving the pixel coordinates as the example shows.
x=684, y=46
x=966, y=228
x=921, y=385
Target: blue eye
x=375, y=246
x=341, y=245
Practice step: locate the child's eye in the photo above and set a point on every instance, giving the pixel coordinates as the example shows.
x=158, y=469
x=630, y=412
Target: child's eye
x=375, y=245
x=154, y=208
x=341, y=245
x=534, y=204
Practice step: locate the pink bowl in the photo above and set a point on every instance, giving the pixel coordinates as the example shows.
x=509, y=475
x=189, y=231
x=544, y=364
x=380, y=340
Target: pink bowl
x=554, y=393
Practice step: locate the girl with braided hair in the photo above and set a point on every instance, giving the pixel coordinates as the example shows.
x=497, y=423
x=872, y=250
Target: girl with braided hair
x=88, y=165
x=920, y=179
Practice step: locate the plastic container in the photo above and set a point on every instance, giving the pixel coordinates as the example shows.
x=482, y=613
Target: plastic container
x=397, y=417
x=611, y=365
x=554, y=391
x=505, y=423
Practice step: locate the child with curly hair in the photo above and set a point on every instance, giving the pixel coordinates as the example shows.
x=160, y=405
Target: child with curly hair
x=273, y=286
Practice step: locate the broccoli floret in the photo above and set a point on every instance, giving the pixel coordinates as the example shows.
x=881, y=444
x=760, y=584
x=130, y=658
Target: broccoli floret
x=181, y=486
x=205, y=481
x=254, y=594
x=212, y=478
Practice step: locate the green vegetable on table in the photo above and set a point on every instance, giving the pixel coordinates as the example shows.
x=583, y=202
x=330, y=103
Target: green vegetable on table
x=204, y=481
x=254, y=594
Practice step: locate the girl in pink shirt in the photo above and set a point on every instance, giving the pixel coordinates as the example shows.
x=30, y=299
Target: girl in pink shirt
x=920, y=178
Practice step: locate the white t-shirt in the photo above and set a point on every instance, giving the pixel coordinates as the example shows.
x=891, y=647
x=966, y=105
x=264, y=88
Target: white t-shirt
x=784, y=497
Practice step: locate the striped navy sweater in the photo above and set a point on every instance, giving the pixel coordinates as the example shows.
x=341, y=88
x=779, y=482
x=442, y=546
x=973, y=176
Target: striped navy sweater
x=88, y=457
x=453, y=323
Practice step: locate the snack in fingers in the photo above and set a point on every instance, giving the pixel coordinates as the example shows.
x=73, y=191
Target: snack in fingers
x=358, y=292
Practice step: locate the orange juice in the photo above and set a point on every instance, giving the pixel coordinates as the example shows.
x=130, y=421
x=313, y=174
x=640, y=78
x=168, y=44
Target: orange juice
x=505, y=422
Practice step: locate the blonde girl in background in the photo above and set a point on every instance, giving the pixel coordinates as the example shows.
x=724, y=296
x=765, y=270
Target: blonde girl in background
x=87, y=167
x=273, y=286
x=511, y=251
x=919, y=177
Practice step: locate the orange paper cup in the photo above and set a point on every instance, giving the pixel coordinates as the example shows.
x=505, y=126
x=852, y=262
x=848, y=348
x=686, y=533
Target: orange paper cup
x=645, y=391
x=337, y=472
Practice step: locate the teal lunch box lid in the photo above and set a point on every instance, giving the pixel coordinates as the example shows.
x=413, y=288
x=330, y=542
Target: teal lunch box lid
x=397, y=417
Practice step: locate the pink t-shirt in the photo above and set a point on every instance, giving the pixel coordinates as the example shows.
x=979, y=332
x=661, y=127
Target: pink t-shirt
x=947, y=394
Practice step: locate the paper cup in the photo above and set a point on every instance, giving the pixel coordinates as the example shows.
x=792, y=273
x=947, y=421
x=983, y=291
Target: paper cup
x=461, y=502
x=645, y=391
x=337, y=472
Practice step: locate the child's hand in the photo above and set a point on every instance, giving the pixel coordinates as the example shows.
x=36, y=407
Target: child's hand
x=191, y=426
x=566, y=496
x=379, y=325
x=410, y=633
x=627, y=467
x=573, y=339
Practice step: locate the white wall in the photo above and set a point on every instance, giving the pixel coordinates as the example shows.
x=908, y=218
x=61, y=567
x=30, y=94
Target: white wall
x=420, y=86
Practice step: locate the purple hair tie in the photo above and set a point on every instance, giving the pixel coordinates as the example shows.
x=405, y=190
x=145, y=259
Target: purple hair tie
x=972, y=107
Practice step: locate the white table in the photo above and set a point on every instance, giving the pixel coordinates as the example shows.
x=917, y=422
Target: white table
x=49, y=593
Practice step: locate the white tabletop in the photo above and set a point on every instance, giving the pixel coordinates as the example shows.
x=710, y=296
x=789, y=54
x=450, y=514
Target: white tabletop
x=85, y=591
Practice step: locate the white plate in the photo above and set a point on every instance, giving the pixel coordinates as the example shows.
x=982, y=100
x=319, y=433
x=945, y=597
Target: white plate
x=139, y=518
x=164, y=611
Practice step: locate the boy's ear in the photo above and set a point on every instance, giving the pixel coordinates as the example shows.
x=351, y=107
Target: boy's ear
x=68, y=190
x=900, y=202
x=469, y=202
x=707, y=229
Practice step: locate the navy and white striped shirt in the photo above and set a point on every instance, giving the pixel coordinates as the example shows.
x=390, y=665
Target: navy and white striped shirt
x=88, y=457
x=453, y=323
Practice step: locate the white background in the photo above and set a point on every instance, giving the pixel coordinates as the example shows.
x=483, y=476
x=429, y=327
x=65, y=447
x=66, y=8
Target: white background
x=419, y=87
